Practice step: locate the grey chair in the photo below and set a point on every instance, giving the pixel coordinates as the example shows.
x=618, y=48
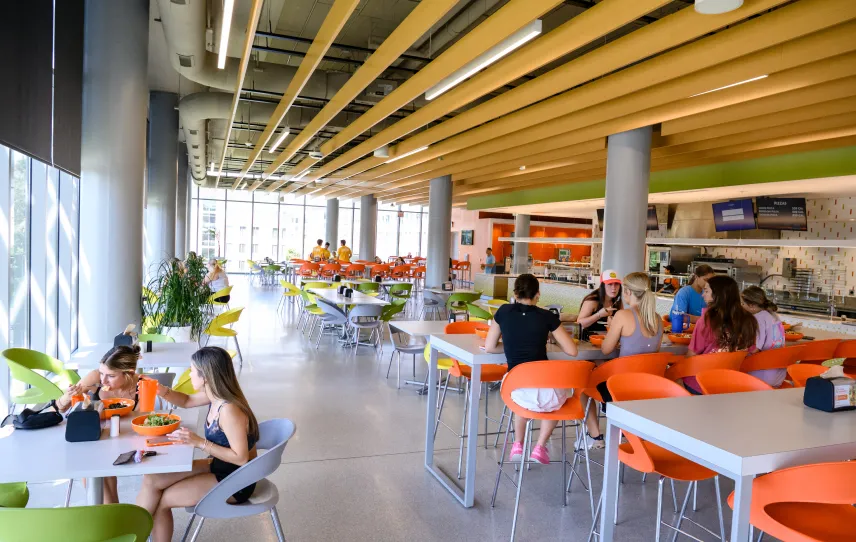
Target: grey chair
x=333, y=317
x=431, y=304
x=366, y=317
x=404, y=347
x=273, y=436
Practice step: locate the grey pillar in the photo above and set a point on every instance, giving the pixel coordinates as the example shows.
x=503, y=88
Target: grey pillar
x=439, y=231
x=368, y=227
x=163, y=177
x=181, y=198
x=333, y=223
x=113, y=156
x=520, y=262
x=628, y=167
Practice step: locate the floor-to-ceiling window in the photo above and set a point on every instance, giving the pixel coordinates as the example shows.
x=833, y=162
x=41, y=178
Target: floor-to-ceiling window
x=242, y=225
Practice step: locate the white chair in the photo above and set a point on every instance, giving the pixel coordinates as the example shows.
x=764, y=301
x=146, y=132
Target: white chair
x=366, y=317
x=431, y=304
x=333, y=317
x=273, y=436
x=402, y=347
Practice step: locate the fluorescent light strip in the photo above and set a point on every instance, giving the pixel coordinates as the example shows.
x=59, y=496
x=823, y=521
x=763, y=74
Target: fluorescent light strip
x=729, y=86
x=509, y=44
x=236, y=174
x=304, y=174
x=279, y=140
x=405, y=155
x=228, y=8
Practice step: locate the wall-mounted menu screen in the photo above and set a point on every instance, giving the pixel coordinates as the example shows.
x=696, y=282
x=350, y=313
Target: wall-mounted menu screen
x=782, y=214
x=651, y=225
x=734, y=215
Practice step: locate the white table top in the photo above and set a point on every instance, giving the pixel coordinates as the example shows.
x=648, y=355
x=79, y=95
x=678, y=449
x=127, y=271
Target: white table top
x=467, y=349
x=357, y=298
x=440, y=291
x=357, y=281
x=419, y=328
x=163, y=355
x=43, y=455
x=745, y=433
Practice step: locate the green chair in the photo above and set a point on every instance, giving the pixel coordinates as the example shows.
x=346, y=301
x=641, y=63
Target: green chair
x=14, y=495
x=310, y=311
x=401, y=291
x=369, y=288
x=155, y=338
x=478, y=314
x=23, y=364
x=289, y=292
x=457, y=303
x=109, y=522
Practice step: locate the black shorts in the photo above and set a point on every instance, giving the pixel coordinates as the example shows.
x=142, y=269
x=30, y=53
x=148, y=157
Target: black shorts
x=604, y=392
x=224, y=299
x=221, y=469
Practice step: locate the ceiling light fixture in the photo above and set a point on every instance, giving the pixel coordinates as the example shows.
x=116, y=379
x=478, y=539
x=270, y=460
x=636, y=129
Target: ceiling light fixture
x=382, y=152
x=522, y=168
x=729, y=86
x=405, y=155
x=228, y=8
x=509, y=44
x=715, y=7
x=304, y=174
x=279, y=140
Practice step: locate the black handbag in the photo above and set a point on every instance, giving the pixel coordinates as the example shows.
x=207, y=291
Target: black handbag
x=35, y=419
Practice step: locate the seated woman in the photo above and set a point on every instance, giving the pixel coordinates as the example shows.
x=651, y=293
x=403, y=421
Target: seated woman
x=217, y=279
x=771, y=331
x=400, y=261
x=640, y=330
x=724, y=326
x=599, y=306
x=231, y=432
x=378, y=260
x=115, y=377
x=525, y=328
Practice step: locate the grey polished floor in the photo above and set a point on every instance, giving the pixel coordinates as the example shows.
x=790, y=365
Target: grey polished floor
x=354, y=471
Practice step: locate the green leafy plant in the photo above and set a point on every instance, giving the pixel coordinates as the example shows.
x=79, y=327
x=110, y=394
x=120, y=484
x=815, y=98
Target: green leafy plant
x=176, y=296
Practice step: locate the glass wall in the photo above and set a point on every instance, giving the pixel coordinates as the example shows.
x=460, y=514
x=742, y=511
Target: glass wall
x=241, y=226
x=39, y=206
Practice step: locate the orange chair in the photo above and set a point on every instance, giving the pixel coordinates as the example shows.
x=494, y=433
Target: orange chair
x=489, y=373
x=355, y=270
x=801, y=372
x=564, y=374
x=309, y=269
x=646, y=457
x=778, y=358
x=654, y=364
x=847, y=350
x=691, y=366
x=810, y=503
x=330, y=269
x=716, y=381
x=381, y=270
x=462, y=268
x=417, y=274
x=819, y=351
x=400, y=272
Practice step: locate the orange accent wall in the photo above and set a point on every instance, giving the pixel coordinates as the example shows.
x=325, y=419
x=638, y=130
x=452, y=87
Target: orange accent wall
x=540, y=251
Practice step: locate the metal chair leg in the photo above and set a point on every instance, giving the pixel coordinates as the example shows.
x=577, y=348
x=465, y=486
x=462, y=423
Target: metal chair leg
x=277, y=526
x=198, y=529
x=564, y=466
x=695, y=496
x=467, y=392
x=683, y=511
x=189, y=525
x=68, y=492
x=526, y=442
x=501, y=461
x=674, y=495
x=719, y=510
x=440, y=406
x=659, y=507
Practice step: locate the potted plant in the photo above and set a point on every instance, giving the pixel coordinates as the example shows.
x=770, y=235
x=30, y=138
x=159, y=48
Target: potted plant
x=175, y=299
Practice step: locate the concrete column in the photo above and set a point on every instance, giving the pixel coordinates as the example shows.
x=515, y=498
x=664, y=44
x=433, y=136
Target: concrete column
x=439, y=231
x=113, y=159
x=628, y=168
x=368, y=227
x=163, y=177
x=520, y=263
x=182, y=196
x=333, y=223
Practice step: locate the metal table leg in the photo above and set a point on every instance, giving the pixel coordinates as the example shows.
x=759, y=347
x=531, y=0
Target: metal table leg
x=610, y=483
x=94, y=491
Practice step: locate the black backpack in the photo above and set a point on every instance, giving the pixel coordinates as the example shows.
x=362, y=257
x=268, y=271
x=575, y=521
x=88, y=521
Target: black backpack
x=35, y=419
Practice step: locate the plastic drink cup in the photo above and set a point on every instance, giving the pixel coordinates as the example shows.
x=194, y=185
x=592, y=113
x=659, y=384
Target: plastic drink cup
x=76, y=399
x=147, y=390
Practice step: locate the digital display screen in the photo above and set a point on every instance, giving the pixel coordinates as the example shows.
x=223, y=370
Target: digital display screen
x=734, y=215
x=782, y=214
x=652, y=223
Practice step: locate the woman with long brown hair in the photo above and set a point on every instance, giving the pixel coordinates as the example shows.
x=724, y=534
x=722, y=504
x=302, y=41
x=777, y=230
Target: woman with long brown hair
x=725, y=326
x=116, y=377
x=231, y=433
x=598, y=307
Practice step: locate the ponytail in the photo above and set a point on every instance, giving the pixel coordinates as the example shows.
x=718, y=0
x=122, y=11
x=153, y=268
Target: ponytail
x=639, y=285
x=755, y=295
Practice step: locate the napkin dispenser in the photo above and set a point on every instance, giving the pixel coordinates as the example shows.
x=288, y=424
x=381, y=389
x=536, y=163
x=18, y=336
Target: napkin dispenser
x=337, y=278
x=378, y=278
x=830, y=392
x=341, y=289
x=349, y=293
x=83, y=423
x=447, y=286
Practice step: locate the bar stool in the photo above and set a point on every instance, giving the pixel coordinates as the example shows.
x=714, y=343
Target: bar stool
x=777, y=359
x=817, y=352
x=544, y=374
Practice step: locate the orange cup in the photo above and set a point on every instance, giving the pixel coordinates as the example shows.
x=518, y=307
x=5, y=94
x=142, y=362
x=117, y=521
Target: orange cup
x=147, y=390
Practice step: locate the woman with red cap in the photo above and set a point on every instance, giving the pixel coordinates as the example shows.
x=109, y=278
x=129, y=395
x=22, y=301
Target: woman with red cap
x=599, y=306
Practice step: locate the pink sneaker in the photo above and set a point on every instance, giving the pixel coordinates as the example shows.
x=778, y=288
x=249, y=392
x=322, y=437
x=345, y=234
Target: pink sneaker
x=516, y=452
x=540, y=454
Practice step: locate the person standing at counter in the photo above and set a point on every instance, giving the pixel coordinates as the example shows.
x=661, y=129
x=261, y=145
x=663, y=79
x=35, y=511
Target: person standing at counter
x=524, y=328
x=489, y=265
x=689, y=299
x=600, y=305
x=725, y=326
x=640, y=330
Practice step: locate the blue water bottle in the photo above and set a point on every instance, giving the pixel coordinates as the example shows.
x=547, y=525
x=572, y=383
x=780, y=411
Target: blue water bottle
x=679, y=322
